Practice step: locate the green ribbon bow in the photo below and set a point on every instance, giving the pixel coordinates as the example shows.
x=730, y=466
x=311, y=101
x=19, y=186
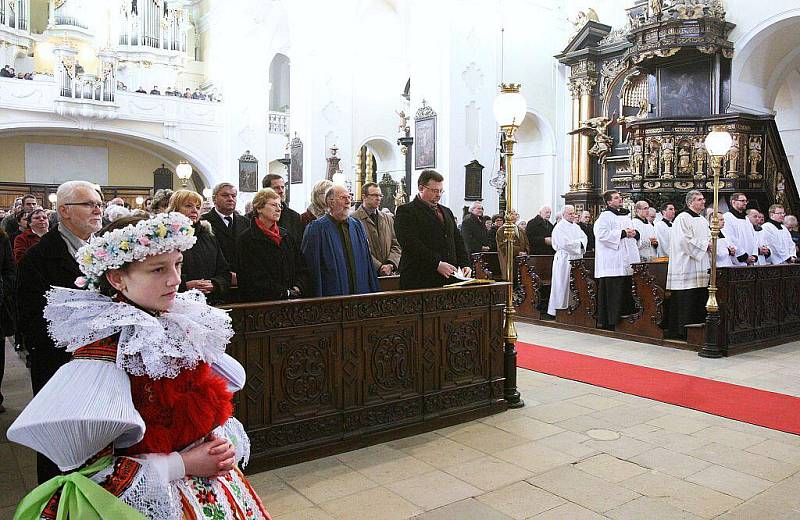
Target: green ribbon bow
x=81, y=498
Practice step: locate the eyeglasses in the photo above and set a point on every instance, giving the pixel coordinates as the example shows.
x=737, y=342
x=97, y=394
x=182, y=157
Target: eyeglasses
x=375, y=195
x=90, y=205
x=741, y=200
x=275, y=205
x=436, y=192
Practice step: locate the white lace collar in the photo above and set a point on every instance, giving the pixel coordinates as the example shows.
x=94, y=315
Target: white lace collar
x=155, y=346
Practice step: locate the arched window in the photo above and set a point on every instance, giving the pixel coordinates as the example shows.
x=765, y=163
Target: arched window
x=279, y=79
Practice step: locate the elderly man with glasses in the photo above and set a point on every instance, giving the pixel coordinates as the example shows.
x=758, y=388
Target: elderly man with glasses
x=49, y=263
x=433, y=248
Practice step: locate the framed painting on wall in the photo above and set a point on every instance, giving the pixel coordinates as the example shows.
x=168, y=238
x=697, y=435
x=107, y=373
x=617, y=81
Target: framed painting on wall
x=425, y=138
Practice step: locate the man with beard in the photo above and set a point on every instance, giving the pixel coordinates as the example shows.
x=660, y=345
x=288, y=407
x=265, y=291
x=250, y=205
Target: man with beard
x=739, y=231
x=336, y=250
x=687, y=272
x=616, y=249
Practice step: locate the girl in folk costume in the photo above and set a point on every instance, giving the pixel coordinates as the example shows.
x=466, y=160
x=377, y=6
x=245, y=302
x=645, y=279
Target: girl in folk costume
x=140, y=421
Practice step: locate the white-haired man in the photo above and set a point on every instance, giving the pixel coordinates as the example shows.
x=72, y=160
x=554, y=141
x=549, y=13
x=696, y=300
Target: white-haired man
x=49, y=263
x=778, y=238
x=647, y=242
x=473, y=229
x=540, y=231
x=570, y=242
x=687, y=272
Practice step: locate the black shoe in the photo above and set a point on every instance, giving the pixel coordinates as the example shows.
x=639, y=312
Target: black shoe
x=2, y=408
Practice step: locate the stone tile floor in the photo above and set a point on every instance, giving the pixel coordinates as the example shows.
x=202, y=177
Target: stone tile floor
x=573, y=452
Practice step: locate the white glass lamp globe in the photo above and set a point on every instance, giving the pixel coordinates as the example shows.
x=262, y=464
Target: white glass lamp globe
x=718, y=143
x=509, y=106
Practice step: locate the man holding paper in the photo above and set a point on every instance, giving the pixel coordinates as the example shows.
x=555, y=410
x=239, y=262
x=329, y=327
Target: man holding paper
x=433, y=248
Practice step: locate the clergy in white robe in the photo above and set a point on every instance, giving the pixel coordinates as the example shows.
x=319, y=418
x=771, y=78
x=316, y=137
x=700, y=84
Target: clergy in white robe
x=663, y=227
x=647, y=241
x=570, y=242
x=739, y=231
x=726, y=251
x=615, y=251
x=778, y=238
x=689, y=262
x=763, y=253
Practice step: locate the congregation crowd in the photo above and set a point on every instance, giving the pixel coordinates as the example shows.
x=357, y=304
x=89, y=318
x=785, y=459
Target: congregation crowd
x=173, y=91
x=9, y=72
x=50, y=259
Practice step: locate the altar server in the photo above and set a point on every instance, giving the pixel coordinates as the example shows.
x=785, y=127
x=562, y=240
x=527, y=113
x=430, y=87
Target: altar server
x=616, y=250
x=663, y=227
x=726, y=251
x=647, y=241
x=570, y=243
x=763, y=252
x=687, y=273
x=778, y=238
x=739, y=231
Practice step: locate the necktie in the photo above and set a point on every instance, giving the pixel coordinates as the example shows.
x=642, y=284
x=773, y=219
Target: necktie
x=228, y=221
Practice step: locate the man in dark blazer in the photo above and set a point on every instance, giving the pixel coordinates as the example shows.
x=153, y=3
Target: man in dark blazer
x=290, y=219
x=52, y=262
x=226, y=223
x=433, y=248
x=540, y=231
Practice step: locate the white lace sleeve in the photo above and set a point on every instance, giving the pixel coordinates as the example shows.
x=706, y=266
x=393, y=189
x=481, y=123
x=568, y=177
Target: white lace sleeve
x=233, y=430
x=230, y=370
x=146, y=490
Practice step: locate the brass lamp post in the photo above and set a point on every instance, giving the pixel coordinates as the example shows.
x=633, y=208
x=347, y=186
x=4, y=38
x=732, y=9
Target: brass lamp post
x=718, y=143
x=509, y=111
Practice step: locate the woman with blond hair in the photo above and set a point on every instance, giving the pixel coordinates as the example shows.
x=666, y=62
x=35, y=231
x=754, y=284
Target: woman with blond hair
x=318, y=206
x=270, y=264
x=204, y=265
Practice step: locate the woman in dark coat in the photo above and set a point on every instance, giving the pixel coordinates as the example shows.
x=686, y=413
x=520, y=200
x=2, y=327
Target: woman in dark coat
x=8, y=281
x=270, y=264
x=204, y=265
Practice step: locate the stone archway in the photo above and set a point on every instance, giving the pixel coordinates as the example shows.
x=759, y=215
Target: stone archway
x=534, y=166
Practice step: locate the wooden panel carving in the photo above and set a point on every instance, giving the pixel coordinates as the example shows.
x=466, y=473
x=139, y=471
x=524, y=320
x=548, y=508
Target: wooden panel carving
x=325, y=372
x=582, y=310
x=649, y=280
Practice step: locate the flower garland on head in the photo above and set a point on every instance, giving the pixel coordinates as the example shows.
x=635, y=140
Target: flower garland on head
x=164, y=233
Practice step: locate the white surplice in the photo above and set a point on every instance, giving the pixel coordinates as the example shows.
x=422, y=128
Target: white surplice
x=740, y=233
x=614, y=254
x=761, y=239
x=663, y=227
x=646, y=232
x=779, y=241
x=724, y=257
x=569, y=241
x=689, y=259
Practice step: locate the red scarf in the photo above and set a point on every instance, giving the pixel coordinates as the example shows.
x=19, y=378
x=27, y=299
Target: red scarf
x=273, y=233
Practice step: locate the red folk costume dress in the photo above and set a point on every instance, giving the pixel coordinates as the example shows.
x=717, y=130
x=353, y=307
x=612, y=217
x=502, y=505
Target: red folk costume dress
x=141, y=387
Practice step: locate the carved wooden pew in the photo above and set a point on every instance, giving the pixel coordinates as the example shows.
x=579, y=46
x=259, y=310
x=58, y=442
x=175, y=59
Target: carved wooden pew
x=649, y=282
x=325, y=375
x=486, y=265
x=389, y=283
x=532, y=285
x=582, y=310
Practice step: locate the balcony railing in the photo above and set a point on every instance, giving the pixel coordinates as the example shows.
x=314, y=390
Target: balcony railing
x=278, y=122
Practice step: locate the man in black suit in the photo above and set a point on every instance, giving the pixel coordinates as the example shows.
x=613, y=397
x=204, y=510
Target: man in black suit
x=540, y=231
x=433, y=248
x=585, y=223
x=290, y=219
x=226, y=223
x=52, y=262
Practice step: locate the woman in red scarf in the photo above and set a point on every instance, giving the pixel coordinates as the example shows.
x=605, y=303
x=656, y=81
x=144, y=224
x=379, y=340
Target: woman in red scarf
x=270, y=264
x=38, y=225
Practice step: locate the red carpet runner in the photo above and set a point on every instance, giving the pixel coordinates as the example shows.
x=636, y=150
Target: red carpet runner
x=760, y=407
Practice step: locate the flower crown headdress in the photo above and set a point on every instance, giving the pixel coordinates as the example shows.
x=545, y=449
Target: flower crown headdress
x=164, y=233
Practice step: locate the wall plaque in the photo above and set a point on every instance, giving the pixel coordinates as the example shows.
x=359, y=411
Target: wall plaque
x=296, y=166
x=473, y=181
x=248, y=173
